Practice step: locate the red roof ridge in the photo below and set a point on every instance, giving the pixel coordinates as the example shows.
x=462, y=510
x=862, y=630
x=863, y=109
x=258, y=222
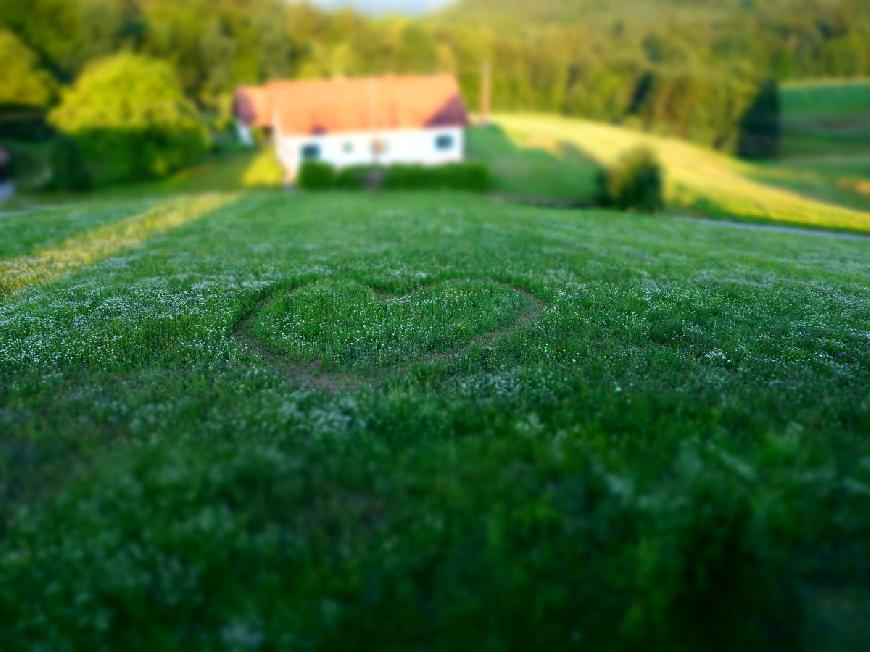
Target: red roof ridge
x=342, y=104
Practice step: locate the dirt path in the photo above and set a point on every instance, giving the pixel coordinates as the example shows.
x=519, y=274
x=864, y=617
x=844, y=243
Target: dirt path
x=314, y=375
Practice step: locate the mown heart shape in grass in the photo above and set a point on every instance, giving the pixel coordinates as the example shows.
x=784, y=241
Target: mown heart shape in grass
x=333, y=334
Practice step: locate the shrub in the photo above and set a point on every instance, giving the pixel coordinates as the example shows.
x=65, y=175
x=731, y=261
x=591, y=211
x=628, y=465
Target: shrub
x=264, y=171
x=316, y=175
x=130, y=119
x=360, y=176
x=68, y=169
x=759, y=135
x=472, y=177
x=636, y=181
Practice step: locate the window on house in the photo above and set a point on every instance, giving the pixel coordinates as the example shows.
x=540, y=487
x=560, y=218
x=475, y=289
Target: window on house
x=443, y=142
x=310, y=152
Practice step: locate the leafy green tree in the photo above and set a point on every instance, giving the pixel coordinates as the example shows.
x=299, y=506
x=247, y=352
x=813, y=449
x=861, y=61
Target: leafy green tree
x=22, y=81
x=108, y=26
x=760, y=125
x=51, y=28
x=131, y=119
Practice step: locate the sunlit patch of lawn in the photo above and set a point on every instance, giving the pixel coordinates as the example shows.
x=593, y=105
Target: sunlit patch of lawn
x=91, y=246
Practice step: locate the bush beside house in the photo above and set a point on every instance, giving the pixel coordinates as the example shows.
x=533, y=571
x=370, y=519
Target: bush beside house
x=470, y=177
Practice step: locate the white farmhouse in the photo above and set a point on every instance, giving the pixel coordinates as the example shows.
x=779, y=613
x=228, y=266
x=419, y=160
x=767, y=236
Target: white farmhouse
x=359, y=121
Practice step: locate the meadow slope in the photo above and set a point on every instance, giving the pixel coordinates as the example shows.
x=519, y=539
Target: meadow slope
x=825, y=150
x=697, y=178
x=395, y=421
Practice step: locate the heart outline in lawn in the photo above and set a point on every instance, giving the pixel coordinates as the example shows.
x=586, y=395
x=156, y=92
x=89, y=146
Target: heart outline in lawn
x=315, y=375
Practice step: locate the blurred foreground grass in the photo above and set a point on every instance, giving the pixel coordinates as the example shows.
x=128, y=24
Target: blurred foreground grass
x=669, y=453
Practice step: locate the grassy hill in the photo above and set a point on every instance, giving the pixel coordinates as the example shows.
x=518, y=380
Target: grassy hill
x=697, y=178
x=826, y=117
x=826, y=141
x=532, y=165
x=412, y=421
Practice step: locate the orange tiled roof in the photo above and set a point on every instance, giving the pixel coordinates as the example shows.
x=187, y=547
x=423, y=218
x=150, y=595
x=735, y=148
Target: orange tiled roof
x=356, y=104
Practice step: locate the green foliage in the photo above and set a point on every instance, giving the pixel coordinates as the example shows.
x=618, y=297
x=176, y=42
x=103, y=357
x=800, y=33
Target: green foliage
x=69, y=169
x=265, y=170
x=217, y=45
x=760, y=125
x=51, y=28
x=316, y=175
x=130, y=119
x=635, y=181
x=28, y=163
x=22, y=81
x=356, y=177
x=471, y=177
x=725, y=111
x=692, y=72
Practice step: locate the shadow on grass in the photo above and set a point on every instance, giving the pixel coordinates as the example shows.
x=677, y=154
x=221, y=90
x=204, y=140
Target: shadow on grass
x=533, y=168
x=97, y=244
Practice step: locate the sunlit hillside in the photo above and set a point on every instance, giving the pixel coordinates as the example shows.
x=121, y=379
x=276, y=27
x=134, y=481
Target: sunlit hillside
x=697, y=178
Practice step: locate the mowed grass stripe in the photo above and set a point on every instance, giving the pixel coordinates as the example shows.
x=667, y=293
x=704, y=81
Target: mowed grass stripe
x=696, y=177
x=22, y=233
x=105, y=241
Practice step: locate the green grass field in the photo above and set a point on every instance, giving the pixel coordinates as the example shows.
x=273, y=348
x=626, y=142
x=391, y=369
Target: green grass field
x=825, y=142
x=531, y=166
x=432, y=421
x=826, y=117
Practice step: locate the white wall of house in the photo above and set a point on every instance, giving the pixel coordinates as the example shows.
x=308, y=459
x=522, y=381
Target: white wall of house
x=420, y=146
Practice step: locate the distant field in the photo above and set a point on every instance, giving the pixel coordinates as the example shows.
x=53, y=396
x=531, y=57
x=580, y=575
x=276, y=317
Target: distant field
x=413, y=421
x=697, y=178
x=826, y=141
x=826, y=98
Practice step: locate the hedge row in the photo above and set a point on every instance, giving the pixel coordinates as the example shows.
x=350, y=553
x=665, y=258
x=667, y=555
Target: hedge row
x=472, y=177
x=732, y=113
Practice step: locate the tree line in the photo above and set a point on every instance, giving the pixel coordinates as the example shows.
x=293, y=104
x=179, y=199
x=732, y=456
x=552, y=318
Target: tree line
x=700, y=69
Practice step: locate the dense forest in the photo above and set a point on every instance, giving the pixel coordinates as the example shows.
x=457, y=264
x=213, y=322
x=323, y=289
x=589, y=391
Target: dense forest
x=698, y=68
